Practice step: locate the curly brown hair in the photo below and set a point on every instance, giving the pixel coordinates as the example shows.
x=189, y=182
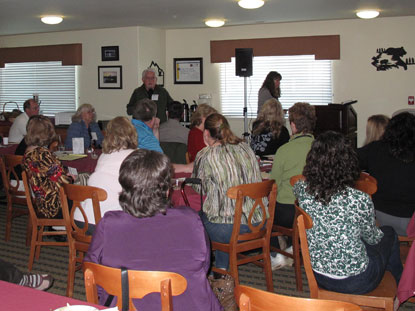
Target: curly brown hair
x=145, y=178
x=331, y=166
x=400, y=137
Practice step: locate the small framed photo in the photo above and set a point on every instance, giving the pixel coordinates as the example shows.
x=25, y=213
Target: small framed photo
x=110, y=53
x=188, y=70
x=109, y=77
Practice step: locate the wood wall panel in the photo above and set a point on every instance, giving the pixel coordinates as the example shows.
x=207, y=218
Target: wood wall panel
x=69, y=54
x=323, y=47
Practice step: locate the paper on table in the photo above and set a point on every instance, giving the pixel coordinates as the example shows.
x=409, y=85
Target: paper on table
x=78, y=145
x=70, y=157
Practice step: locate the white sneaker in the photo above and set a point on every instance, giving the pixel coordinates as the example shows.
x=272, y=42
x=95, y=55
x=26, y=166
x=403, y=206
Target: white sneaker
x=289, y=250
x=280, y=261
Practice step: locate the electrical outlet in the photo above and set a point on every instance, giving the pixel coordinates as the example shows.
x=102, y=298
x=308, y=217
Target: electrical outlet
x=410, y=100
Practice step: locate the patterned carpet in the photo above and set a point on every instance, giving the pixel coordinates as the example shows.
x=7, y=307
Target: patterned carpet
x=54, y=260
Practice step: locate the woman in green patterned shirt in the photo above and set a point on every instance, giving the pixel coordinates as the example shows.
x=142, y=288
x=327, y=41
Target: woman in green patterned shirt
x=225, y=162
x=349, y=254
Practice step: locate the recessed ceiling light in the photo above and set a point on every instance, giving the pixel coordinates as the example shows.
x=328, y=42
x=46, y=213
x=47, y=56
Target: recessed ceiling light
x=51, y=19
x=367, y=14
x=215, y=22
x=251, y=4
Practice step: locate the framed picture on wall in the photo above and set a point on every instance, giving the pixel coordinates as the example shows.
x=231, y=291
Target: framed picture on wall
x=109, y=77
x=110, y=53
x=188, y=70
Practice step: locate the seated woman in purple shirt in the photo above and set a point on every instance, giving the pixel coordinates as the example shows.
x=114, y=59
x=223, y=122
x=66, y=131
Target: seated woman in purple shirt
x=149, y=235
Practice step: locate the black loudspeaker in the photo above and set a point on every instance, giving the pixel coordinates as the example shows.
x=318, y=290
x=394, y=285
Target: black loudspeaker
x=243, y=64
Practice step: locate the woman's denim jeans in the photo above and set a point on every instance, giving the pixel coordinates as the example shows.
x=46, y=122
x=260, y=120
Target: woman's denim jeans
x=221, y=233
x=382, y=256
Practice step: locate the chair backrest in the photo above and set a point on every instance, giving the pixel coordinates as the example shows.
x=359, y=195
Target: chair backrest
x=252, y=299
x=140, y=283
x=28, y=193
x=294, y=179
x=365, y=183
x=13, y=186
x=304, y=222
x=257, y=192
x=78, y=194
x=175, y=151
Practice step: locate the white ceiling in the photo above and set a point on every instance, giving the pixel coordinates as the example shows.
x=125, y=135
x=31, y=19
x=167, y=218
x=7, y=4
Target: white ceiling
x=23, y=16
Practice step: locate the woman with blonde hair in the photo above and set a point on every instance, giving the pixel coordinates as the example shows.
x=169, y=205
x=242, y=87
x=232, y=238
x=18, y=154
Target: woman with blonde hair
x=227, y=161
x=195, y=141
x=84, y=125
x=375, y=127
x=120, y=140
x=268, y=130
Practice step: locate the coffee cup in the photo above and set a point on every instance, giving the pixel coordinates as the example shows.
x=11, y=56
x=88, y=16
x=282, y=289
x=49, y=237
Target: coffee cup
x=5, y=141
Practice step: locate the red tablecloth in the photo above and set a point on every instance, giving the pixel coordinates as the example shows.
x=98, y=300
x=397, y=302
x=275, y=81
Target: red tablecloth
x=83, y=165
x=9, y=149
x=17, y=298
x=406, y=288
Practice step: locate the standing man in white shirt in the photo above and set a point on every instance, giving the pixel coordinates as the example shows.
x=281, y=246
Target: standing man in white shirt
x=18, y=128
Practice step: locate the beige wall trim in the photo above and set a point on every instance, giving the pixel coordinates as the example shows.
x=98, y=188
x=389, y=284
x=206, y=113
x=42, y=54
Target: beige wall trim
x=323, y=47
x=69, y=54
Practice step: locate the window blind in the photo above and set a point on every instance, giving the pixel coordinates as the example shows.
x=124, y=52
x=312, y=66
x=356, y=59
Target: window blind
x=54, y=84
x=304, y=79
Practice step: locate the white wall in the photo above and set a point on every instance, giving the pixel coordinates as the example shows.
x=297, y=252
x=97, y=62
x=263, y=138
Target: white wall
x=353, y=75
x=151, y=47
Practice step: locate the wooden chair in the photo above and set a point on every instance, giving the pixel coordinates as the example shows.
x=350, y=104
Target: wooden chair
x=405, y=244
x=140, y=284
x=252, y=299
x=291, y=232
x=187, y=158
x=14, y=193
x=367, y=184
x=79, y=241
x=381, y=298
x=38, y=226
x=259, y=237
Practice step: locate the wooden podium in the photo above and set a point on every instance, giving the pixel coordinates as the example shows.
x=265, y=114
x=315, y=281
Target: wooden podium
x=337, y=117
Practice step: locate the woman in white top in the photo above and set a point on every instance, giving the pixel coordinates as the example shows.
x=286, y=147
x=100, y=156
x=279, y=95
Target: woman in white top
x=120, y=140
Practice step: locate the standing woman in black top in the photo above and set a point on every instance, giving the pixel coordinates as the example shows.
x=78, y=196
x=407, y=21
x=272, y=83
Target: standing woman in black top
x=391, y=161
x=268, y=130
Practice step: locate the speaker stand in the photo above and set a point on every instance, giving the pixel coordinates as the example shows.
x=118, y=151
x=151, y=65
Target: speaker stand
x=245, y=112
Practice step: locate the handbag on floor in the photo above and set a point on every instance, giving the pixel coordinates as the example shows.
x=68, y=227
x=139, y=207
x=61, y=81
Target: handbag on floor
x=224, y=291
